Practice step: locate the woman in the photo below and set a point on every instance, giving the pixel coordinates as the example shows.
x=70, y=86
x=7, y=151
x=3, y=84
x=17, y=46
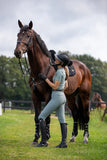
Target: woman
x=57, y=101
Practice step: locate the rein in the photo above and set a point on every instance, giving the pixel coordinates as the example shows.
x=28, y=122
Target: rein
x=22, y=71
x=47, y=69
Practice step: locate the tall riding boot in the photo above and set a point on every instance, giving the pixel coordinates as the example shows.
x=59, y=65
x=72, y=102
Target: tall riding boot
x=43, y=142
x=64, y=136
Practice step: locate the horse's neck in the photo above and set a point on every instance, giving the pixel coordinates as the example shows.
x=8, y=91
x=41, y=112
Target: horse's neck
x=38, y=61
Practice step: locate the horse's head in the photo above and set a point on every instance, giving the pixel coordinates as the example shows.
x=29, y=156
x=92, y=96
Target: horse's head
x=24, y=39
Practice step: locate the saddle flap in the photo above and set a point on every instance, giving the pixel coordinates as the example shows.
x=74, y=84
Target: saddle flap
x=72, y=71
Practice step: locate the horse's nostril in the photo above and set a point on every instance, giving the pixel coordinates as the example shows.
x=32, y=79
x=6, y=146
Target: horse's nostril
x=17, y=53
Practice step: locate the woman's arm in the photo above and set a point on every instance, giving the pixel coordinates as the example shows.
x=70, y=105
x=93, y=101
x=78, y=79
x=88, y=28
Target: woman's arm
x=67, y=72
x=53, y=85
x=66, y=85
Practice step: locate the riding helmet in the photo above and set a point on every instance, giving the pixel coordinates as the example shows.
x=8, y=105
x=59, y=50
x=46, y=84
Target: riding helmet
x=63, y=58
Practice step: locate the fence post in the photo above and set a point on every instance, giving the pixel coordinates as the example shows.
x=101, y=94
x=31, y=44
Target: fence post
x=4, y=107
x=32, y=108
x=0, y=109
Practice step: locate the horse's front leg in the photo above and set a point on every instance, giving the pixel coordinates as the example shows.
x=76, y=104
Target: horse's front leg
x=37, y=107
x=37, y=128
x=48, y=127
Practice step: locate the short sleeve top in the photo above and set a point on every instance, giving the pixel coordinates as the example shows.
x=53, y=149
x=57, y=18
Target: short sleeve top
x=60, y=75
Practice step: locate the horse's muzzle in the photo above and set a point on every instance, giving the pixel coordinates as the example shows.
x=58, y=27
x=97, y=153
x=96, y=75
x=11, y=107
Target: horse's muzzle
x=18, y=53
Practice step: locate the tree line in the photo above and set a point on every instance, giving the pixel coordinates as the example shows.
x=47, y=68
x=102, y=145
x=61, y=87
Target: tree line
x=12, y=84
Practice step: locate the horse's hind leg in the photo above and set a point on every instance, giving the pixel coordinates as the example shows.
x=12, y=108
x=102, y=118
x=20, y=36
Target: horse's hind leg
x=72, y=105
x=74, y=132
x=85, y=115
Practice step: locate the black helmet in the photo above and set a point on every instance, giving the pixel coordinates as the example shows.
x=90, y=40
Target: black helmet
x=63, y=58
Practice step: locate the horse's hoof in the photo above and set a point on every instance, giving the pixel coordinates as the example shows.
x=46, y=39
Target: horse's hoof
x=72, y=139
x=34, y=143
x=85, y=141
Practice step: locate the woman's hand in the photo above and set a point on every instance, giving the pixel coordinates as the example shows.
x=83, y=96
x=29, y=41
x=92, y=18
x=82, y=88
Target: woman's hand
x=42, y=76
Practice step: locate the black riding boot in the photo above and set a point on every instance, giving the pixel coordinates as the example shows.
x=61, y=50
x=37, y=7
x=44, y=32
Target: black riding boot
x=64, y=136
x=43, y=142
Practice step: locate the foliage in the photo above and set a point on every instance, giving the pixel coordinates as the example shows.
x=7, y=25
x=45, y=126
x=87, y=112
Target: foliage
x=12, y=85
x=17, y=133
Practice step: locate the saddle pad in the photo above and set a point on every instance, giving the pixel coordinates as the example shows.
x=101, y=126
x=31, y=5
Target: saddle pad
x=72, y=71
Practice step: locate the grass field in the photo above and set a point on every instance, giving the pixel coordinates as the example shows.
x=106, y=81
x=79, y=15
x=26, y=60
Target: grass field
x=17, y=133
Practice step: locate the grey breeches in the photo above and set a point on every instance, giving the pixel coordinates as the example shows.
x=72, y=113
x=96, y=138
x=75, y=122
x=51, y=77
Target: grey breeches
x=57, y=103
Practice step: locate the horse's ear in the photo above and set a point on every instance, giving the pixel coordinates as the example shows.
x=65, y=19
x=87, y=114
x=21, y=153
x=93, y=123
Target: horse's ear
x=30, y=25
x=20, y=24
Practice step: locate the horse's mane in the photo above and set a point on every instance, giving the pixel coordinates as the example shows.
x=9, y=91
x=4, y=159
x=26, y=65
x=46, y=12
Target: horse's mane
x=42, y=45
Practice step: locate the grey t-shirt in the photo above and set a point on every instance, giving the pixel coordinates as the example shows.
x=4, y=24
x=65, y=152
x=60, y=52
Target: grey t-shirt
x=60, y=75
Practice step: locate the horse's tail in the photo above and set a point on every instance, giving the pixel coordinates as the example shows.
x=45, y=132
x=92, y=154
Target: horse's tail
x=81, y=119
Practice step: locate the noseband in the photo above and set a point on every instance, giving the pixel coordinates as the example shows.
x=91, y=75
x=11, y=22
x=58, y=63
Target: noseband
x=27, y=44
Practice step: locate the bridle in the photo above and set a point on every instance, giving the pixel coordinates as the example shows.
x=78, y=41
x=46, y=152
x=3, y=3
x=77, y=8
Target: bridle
x=30, y=38
x=27, y=45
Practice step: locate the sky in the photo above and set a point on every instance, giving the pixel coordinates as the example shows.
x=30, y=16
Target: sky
x=77, y=26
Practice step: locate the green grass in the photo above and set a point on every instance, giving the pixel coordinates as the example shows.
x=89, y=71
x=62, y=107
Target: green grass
x=17, y=132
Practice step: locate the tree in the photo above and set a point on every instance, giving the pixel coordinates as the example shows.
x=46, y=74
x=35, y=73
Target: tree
x=12, y=85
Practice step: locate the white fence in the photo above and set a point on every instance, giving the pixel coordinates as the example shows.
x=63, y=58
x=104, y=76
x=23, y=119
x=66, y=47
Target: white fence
x=0, y=109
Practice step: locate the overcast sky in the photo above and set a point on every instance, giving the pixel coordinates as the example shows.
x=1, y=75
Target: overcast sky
x=78, y=26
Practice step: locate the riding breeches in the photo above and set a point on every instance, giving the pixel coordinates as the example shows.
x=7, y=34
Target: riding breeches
x=57, y=103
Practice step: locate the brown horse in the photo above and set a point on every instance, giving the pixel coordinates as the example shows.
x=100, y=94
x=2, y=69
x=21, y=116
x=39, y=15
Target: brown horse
x=79, y=86
x=97, y=98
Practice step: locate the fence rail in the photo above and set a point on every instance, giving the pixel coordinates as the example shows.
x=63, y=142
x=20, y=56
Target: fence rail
x=28, y=105
x=24, y=104
x=17, y=104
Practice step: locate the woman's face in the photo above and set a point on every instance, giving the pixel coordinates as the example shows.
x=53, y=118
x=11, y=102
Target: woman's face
x=57, y=61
